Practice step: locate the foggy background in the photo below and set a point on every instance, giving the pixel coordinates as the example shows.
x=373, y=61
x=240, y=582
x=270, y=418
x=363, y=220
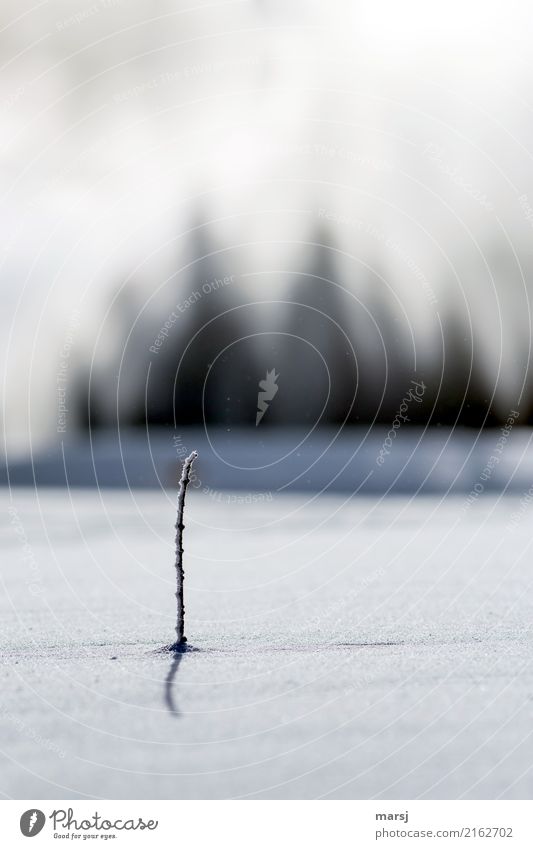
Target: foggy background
x=196, y=195
x=297, y=238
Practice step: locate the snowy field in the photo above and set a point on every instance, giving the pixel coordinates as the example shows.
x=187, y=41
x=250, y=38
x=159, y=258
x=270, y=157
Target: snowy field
x=200, y=199
x=339, y=647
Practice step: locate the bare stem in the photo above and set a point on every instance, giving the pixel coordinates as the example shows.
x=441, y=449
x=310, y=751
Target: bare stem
x=184, y=482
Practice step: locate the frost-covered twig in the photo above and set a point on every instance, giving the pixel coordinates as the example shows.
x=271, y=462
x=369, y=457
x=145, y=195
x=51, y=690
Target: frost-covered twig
x=184, y=482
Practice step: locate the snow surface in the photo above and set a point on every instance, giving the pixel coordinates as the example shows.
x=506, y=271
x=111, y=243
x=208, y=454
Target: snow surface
x=339, y=647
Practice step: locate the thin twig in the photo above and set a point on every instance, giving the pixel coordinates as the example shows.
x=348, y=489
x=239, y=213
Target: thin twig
x=184, y=482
